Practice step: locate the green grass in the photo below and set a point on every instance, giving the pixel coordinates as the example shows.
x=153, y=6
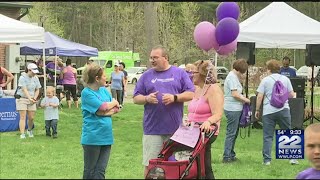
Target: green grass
x=43, y=157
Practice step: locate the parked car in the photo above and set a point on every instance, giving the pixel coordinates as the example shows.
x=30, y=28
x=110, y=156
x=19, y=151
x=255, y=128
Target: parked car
x=134, y=74
x=222, y=72
x=317, y=79
x=293, y=68
x=305, y=72
x=183, y=66
x=302, y=72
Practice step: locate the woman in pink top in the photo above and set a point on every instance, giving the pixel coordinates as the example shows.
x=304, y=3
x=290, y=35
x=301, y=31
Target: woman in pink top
x=5, y=72
x=207, y=105
x=69, y=77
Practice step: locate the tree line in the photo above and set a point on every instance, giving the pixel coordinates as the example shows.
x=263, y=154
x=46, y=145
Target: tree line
x=138, y=26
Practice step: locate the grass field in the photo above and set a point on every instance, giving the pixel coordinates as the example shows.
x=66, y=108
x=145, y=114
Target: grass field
x=43, y=157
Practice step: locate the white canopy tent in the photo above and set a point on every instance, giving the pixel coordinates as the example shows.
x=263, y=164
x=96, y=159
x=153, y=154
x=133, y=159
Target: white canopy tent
x=280, y=26
x=14, y=31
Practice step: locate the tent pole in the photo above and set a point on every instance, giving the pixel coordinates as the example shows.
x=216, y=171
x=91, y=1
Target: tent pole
x=216, y=60
x=25, y=60
x=55, y=71
x=44, y=69
x=294, y=57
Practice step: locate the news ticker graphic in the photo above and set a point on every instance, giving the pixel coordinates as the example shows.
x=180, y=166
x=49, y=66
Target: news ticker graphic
x=289, y=144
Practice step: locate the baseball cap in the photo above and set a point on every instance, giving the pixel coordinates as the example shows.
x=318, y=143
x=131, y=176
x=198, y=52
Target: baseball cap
x=117, y=64
x=33, y=67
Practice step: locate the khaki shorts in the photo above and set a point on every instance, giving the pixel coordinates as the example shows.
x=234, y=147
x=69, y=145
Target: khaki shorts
x=25, y=104
x=152, y=145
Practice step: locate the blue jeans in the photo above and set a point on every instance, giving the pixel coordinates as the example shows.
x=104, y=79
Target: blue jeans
x=116, y=94
x=95, y=161
x=233, y=119
x=51, y=124
x=283, y=118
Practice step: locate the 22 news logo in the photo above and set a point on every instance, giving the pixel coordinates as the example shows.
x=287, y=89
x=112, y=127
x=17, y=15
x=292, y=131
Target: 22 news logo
x=289, y=144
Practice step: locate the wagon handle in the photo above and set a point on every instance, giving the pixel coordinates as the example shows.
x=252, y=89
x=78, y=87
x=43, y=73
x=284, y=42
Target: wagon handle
x=214, y=128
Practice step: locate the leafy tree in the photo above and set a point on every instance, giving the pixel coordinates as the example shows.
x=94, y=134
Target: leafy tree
x=138, y=26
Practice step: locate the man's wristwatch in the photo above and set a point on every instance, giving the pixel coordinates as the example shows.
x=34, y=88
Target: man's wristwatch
x=175, y=98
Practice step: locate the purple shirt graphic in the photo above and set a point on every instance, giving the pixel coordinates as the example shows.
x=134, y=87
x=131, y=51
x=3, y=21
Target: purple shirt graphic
x=160, y=119
x=50, y=67
x=310, y=173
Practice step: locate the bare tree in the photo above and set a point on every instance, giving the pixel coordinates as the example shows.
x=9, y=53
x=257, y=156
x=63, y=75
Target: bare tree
x=151, y=25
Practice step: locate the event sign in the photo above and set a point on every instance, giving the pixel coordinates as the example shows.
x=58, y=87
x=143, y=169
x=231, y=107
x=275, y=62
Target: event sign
x=9, y=116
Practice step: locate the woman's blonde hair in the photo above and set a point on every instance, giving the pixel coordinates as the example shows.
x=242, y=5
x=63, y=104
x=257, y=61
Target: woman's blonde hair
x=90, y=72
x=273, y=65
x=207, y=70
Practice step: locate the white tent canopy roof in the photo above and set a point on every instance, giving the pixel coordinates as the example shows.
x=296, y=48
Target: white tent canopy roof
x=280, y=26
x=14, y=31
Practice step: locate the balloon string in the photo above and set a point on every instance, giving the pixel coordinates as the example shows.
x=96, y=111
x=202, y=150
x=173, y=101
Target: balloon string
x=219, y=49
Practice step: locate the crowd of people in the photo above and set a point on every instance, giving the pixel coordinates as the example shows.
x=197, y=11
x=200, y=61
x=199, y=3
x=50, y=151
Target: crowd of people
x=163, y=89
x=61, y=82
x=29, y=93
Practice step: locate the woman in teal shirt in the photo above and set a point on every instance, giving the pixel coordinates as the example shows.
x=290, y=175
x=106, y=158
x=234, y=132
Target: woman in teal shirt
x=97, y=108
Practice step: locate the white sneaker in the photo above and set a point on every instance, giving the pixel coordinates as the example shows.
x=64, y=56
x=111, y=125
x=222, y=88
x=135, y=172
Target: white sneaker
x=30, y=133
x=293, y=161
x=267, y=163
x=22, y=136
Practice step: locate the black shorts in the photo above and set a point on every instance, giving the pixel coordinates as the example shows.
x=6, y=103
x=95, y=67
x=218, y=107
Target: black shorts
x=71, y=89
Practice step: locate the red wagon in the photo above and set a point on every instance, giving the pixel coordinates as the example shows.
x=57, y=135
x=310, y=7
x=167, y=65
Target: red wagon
x=193, y=168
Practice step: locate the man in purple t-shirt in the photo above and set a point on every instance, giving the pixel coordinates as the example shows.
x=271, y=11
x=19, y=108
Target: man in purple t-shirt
x=162, y=90
x=312, y=148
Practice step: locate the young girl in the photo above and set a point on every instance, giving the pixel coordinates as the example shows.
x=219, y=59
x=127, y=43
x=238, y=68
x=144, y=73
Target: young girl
x=51, y=113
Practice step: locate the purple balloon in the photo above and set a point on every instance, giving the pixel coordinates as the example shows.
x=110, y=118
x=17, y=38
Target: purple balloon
x=226, y=49
x=227, y=31
x=204, y=35
x=228, y=9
